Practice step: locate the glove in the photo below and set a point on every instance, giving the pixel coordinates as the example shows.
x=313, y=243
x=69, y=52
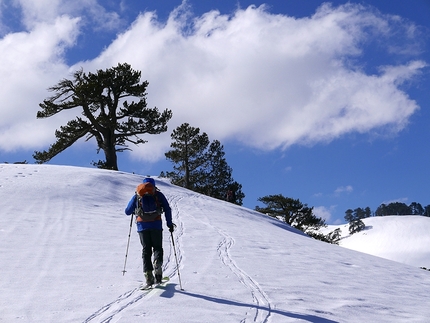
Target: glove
x=172, y=227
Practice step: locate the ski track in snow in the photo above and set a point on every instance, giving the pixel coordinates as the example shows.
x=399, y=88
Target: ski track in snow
x=263, y=306
x=179, y=230
x=111, y=310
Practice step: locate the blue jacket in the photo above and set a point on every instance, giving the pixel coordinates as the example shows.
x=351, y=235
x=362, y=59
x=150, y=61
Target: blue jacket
x=157, y=223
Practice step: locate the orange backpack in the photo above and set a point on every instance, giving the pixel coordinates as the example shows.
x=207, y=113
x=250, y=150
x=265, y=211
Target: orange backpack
x=148, y=206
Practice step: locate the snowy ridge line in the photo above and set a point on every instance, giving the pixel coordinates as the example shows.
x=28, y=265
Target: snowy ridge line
x=263, y=306
x=129, y=298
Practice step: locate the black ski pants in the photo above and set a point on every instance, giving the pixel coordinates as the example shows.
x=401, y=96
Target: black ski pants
x=152, y=243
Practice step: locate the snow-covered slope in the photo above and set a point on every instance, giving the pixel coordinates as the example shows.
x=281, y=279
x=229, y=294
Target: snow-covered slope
x=405, y=239
x=63, y=239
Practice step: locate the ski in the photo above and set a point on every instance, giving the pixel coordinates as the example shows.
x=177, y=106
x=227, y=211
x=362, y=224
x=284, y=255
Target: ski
x=146, y=287
x=164, y=280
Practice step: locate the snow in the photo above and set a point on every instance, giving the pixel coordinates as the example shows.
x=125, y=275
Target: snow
x=405, y=239
x=64, y=235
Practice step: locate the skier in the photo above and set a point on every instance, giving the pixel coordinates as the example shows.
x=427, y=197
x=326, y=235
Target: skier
x=151, y=234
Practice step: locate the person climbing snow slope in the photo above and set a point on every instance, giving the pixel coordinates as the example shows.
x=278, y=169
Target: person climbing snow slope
x=148, y=204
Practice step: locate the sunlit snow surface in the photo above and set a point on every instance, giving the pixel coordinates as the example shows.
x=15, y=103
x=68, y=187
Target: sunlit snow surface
x=64, y=234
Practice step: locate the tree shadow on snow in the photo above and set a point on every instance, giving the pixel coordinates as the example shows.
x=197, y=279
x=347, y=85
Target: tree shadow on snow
x=305, y=317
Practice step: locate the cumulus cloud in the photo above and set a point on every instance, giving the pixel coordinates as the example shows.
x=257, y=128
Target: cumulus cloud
x=29, y=62
x=266, y=80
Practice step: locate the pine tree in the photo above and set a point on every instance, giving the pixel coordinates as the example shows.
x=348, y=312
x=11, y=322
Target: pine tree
x=382, y=210
x=334, y=236
x=398, y=208
x=367, y=212
x=200, y=165
x=349, y=215
x=426, y=211
x=354, y=218
x=356, y=226
x=217, y=173
x=188, y=156
x=99, y=96
x=291, y=211
x=416, y=208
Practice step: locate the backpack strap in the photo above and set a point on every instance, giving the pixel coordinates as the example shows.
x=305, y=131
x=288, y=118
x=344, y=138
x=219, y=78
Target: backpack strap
x=157, y=201
x=138, y=212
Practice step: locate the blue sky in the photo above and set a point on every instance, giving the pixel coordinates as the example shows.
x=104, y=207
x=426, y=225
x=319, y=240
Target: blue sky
x=328, y=103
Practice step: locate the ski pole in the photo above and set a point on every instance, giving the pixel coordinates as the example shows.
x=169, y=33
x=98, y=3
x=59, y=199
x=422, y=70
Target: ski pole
x=176, y=257
x=128, y=243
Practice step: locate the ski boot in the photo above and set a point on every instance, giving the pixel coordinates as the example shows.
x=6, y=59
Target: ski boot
x=149, y=280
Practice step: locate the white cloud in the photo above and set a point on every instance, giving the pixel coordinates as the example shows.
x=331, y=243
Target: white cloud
x=268, y=81
x=344, y=189
x=324, y=212
x=30, y=62
x=35, y=12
